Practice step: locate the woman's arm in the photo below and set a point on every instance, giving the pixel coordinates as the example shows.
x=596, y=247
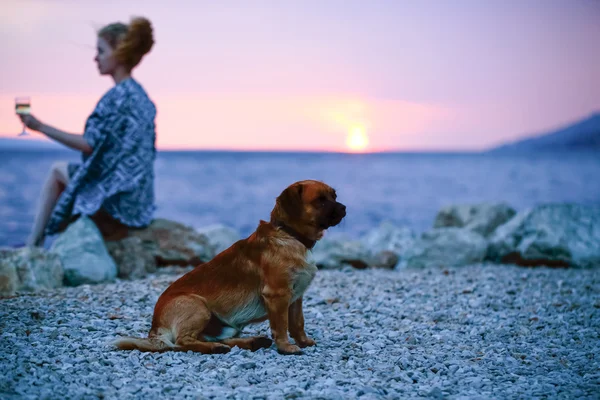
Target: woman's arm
x=71, y=140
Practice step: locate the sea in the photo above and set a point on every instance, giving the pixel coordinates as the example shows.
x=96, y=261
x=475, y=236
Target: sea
x=238, y=189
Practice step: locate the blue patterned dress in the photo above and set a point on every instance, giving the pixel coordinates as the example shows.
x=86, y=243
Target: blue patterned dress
x=118, y=176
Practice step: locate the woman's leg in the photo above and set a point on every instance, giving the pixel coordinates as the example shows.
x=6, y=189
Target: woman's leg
x=57, y=180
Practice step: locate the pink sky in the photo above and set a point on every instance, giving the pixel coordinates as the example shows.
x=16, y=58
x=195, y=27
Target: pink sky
x=300, y=75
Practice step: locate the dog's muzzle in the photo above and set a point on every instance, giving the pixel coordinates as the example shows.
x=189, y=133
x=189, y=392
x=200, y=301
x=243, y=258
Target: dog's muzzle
x=338, y=213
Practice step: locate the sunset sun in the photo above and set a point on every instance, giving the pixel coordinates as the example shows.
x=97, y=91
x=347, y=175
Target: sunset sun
x=357, y=139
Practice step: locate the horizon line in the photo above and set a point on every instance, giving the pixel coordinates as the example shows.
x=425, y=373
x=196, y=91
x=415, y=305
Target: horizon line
x=51, y=145
x=61, y=148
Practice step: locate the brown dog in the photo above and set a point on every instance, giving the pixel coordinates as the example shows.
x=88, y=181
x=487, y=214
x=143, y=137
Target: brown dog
x=261, y=277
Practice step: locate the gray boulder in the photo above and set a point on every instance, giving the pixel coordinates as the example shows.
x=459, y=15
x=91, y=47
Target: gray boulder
x=561, y=235
x=9, y=280
x=220, y=237
x=445, y=247
x=388, y=237
x=482, y=218
x=387, y=243
x=385, y=259
x=29, y=269
x=134, y=260
x=381, y=247
x=83, y=254
x=173, y=243
x=332, y=253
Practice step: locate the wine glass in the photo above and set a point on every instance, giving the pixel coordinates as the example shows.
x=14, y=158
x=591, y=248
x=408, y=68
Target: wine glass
x=23, y=106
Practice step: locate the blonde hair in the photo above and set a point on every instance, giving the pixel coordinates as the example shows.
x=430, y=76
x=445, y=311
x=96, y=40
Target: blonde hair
x=129, y=42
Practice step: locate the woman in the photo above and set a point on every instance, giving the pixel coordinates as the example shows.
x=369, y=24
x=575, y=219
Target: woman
x=114, y=184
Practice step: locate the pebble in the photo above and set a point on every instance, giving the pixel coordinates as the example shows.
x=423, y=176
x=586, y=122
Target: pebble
x=478, y=331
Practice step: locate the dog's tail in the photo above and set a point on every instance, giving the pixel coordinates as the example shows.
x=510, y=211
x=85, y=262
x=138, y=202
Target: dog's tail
x=152, y=344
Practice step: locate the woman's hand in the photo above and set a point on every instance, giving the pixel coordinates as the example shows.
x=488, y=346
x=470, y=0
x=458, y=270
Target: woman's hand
x=31, y=122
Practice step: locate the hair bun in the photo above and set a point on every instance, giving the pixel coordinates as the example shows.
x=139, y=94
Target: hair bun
x=140, y=30
x=138, y=41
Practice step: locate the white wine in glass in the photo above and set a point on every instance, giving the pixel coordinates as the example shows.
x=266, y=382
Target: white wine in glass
x=23, y=106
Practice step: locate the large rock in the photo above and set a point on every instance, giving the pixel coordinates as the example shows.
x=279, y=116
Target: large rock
x=29, y=269
x=481, y=218
x=9, y=280
x=134, y=260
x=83, y=254
x=388, y=237
x=173, y=243
x=561, y=235
x=331, y=253
x=381, y=247
x=387, y=243
x=445, y=247
x=220, y=237
x=384, y=259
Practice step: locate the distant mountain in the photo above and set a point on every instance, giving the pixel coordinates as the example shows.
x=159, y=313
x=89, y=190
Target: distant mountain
x=28, y=143
x=582, y=135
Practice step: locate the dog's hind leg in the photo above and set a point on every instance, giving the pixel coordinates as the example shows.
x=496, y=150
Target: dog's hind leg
x=188, y=343
x=249, y=343
x=188, y=317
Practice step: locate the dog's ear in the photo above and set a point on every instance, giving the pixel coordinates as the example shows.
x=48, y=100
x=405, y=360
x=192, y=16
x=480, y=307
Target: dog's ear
x=290, y=201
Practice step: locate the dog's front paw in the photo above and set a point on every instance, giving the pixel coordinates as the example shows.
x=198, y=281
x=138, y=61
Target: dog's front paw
x=289, y=349
x=306, y=342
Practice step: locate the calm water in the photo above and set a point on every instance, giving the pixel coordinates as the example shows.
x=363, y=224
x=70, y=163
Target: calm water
x=239, y=189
